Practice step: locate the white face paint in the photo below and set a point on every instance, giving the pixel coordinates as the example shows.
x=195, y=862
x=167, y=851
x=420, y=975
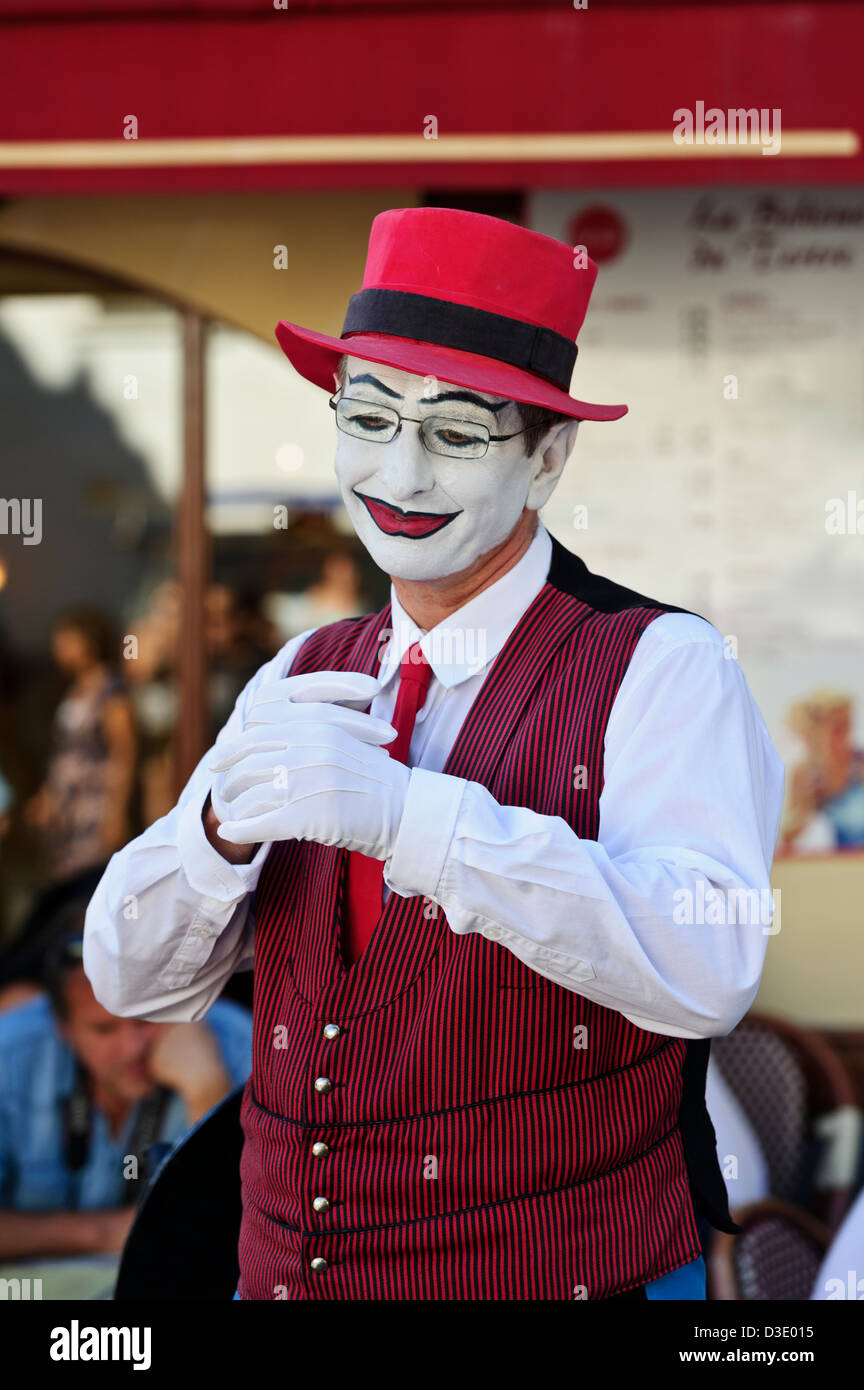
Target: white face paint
x=457, y=508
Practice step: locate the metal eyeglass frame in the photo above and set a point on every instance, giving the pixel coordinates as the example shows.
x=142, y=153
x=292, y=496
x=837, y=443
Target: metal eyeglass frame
x=334, y=400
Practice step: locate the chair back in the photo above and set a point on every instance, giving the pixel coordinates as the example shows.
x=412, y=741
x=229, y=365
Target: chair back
x=183, y=1243
x=777, y=1256
x=801, y=1101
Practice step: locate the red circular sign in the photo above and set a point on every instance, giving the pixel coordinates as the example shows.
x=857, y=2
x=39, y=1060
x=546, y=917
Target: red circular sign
x=601, y=230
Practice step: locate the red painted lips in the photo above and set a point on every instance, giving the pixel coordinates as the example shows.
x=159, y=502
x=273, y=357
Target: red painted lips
x=394, y=522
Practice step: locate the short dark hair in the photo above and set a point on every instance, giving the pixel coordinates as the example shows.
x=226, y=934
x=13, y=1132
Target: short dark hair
x=536, y=420
x=64, y=956
x=97, y=627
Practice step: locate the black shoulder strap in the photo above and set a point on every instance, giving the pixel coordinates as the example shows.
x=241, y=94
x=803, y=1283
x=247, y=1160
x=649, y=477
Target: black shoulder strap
x=151, y=1113
x=77, y=1118
x=78, y=1126
x=570, y=574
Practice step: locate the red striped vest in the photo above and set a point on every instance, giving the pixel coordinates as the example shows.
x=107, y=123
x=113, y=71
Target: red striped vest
x=476, y=1131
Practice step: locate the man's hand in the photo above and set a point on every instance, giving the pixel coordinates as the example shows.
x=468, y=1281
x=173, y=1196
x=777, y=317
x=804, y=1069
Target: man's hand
x=305, y=768
x=186, y=1058
x=112, y=1228
x=30, y=1235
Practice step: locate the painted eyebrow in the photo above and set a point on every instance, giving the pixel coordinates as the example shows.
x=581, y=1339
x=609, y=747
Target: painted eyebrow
x=373, y=381
x=431, y=400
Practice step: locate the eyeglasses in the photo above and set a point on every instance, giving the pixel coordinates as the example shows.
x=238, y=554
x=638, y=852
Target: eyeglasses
x=441, y=434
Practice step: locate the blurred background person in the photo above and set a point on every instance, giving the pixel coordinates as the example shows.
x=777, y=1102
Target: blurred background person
x=154, y=695
x=84, y=1096
x=239, y=639
x=336, y=593
x=825, y=797
x=82, y=812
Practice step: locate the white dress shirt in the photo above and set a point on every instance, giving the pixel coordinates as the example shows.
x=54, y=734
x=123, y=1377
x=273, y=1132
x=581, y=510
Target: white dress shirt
x=691, y=803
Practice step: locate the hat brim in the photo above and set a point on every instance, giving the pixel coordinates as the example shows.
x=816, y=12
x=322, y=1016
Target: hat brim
x=315, y=356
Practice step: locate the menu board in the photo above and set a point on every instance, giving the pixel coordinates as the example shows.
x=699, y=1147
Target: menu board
x=732, y=324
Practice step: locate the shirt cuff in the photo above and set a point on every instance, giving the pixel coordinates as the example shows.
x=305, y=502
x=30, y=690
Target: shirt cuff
x=205, y=869
x=425, y=831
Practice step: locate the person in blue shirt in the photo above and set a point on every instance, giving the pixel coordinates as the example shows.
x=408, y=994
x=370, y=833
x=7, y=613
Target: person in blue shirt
x=86, y=1098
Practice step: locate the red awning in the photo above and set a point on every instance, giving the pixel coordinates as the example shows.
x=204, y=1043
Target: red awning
x=236, y=94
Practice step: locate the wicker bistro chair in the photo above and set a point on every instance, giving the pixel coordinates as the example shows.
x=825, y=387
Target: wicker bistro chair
x=776, y=1257
x=801, y=1101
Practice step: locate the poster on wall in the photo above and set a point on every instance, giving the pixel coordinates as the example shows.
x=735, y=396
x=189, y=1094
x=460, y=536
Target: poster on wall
x=732, y=324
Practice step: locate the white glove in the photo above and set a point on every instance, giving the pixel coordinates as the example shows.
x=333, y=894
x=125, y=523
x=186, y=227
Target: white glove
x=276, y=703
x=305, y=768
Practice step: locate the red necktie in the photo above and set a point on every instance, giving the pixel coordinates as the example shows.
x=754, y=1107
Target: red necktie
x=366, y=875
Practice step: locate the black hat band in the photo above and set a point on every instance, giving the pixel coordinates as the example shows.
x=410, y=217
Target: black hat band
x=535, y=349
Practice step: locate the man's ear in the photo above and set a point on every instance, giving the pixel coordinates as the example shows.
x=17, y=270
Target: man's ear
x=552, y=453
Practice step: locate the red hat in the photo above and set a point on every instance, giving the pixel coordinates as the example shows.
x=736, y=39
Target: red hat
x=468, y=299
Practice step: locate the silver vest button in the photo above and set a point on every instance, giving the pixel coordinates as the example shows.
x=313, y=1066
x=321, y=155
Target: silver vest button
x=331, y=1031
x=320, y=1204
x=320, y=1150
x=323, y=1084
x=318, y=1264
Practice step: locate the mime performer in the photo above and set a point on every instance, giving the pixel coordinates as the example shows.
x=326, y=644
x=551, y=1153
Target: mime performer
x=467, y=841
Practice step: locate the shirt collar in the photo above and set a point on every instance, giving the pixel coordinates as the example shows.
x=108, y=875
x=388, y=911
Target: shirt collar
x=467, y=641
